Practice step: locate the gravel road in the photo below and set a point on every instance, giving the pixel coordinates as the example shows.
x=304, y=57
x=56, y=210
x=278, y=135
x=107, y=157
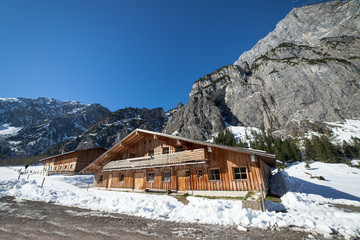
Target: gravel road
x=20, y=219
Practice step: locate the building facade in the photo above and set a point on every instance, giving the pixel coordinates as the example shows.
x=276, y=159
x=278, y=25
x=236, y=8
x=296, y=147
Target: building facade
x=146, y=160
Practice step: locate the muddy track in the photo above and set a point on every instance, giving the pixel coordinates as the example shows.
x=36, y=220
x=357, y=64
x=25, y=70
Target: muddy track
x=21, y=219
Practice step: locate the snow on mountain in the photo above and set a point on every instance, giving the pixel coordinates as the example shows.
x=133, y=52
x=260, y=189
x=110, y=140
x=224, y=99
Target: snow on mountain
x=37, y=124
x=308, y=204
x=344, y=131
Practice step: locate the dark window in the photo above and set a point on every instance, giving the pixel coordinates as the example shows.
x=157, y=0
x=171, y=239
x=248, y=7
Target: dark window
x=214, y=174
x=100, y=178
x=187, y=173
x=121, y=178
x=71, y=166
x=65, y=166
x=151, y=152
x=151, y=177
x=240, y=173
x=132, y=155
x=145, y=142
x=60, y=167
x=179, y=148
x=166, y=177
x=55, y=168
x=166, y=150
x=200, y=173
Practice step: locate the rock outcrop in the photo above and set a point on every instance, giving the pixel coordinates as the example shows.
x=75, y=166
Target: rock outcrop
x=307, y=70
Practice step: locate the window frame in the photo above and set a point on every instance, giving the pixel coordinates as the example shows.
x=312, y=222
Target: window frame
x=187, y=173
x=200, y=175
x=163, y=176
x=165, y=150
x=210, y=174
x=121, y=178
x=240, y=173
x=179, y=148
x=148, y=177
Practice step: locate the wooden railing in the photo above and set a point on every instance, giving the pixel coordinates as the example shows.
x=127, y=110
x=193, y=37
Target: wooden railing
x=164, y=159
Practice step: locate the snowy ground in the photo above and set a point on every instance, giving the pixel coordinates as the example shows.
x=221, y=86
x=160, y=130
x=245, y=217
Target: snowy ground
x=309, y=203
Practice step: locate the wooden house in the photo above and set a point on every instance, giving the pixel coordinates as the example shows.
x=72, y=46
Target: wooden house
x=72, y=162
x=146, y=160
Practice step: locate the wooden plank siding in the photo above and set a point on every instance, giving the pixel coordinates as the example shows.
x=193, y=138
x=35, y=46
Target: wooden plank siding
x=218, y=159
x=183, y=160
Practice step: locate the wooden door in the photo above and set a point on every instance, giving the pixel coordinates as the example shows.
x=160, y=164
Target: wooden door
x=109, y=179
x=181, y=176
x=139, y=181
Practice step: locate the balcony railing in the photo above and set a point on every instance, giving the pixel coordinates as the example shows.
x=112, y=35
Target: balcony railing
x=188, y=156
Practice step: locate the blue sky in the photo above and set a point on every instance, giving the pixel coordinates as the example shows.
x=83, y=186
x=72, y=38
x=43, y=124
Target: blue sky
x=125, y=53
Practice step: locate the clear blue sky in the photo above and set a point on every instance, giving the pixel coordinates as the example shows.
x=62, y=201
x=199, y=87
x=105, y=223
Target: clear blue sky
x=122, y=53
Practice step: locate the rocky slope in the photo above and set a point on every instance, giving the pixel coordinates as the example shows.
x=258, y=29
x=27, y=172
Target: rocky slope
x=29, y=126
x=113, y=128
x=306, y=72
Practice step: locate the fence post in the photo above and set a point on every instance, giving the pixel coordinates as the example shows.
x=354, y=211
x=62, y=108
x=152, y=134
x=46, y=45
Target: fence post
x=42, y=184
x=28, y=176
x=262, y=198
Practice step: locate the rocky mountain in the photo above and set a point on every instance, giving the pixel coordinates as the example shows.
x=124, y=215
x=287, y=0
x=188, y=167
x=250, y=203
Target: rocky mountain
x=304, y=73
x=30, y=126
x=115, y=126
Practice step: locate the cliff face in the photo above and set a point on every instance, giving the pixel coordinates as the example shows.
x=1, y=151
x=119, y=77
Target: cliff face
x=306, y=70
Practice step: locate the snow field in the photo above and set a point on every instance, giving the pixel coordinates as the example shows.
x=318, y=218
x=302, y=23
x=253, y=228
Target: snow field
x=307, y=202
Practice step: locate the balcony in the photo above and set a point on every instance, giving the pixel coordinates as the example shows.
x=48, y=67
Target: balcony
x=185, y=157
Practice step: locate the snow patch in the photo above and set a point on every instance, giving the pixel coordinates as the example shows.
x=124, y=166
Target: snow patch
x=344, y=131
x=7, y=129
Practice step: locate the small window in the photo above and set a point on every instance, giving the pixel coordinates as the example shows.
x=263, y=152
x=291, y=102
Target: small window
x=100, y=179
x=151, y=152
x=123, y=156
x=55, y=168
x=166, y=150
x=187, y=173
x=51, y=168
x=179, y=148
x=71, y=166
x=65, y=167
x=240, y=173
x=121, y=178
x=60, y=168
x=132, y=155
x=166, y=177
x=200, y=173
x=151, y=177
x=145, y=142
x=214, y=174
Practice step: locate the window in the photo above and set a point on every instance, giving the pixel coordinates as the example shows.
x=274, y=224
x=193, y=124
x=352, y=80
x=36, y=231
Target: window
x=71, y=166
x=151, y=177
x=179, y=148
x=60, y=168
x=55, y=168
x=51, y=168
x=132, y=155
x=165, y=150
x=166, y=177
x=151, y=152
x=240, y=173
x=100, y=179
x=121, y=178
x=214, y=174
x=200, y=174
x=65, y=167
x=187, y=173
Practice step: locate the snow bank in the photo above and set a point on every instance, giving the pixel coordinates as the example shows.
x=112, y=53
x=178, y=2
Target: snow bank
x=7, y=129
x=307, y=203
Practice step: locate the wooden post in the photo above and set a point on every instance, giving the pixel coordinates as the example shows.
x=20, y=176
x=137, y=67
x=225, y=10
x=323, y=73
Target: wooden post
x=262, y=198
x=19, y=176
x=28, y=176
x=42, y=184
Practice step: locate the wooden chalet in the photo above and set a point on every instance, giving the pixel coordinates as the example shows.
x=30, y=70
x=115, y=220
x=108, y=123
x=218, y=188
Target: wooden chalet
x=146, y=160
x=72, y=162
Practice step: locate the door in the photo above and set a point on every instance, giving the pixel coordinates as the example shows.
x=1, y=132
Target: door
x=181, y=176
x=109, y=181
x=139, y=181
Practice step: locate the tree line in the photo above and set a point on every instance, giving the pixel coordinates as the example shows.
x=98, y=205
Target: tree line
x=317, y=148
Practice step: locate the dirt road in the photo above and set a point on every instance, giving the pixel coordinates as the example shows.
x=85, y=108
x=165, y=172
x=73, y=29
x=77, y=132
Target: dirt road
x=21, y=219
